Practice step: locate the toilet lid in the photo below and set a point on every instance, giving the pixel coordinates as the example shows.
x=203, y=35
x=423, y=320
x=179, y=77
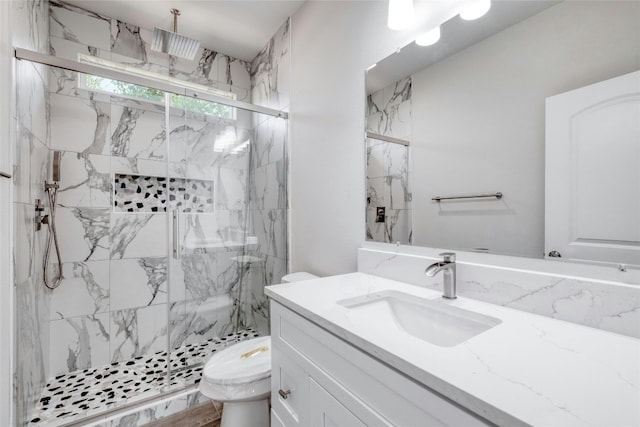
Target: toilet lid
x=239, y=363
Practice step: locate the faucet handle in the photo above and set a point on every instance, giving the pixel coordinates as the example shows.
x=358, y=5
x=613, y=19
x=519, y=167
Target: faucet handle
x=448, y=256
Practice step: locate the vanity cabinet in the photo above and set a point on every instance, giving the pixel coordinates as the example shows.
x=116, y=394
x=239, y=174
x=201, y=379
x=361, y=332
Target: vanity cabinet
x=318, y=379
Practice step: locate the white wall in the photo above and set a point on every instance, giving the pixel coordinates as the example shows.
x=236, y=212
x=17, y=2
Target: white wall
x=333, y=42
x=482, y=121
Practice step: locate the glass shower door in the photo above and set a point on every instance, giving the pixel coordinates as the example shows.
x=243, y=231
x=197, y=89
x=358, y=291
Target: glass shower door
x=208, y=166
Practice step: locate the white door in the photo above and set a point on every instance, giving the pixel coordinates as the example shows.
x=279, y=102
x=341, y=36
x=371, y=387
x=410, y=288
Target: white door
x=326, y=411
x=592, y=175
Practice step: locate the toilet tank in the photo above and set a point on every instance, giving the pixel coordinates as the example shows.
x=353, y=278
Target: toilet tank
x=298, y=277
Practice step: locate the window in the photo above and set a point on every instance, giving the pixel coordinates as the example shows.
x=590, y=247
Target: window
x=130, y=90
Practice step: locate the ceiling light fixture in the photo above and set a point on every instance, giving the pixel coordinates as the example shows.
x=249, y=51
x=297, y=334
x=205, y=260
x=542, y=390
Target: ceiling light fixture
x=429, y=38
x=475, y=9
x=400, y=14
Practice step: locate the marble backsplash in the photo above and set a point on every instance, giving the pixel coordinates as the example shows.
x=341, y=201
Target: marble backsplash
x=606, y=305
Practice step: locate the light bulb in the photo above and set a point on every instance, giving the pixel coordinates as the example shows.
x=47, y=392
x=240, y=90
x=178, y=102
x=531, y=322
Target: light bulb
x=475, y=10
x=400, y=14
x=429, y=38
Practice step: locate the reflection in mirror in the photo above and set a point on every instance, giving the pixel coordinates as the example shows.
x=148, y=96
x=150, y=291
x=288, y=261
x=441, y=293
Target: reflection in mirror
x=387, y=143
x=476, y=108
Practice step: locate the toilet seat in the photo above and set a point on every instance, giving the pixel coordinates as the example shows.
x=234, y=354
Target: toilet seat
x=244, y=362
x=240, y=372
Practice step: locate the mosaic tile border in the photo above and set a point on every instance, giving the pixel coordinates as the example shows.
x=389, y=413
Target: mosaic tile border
x=78, y=394
x=138, y=193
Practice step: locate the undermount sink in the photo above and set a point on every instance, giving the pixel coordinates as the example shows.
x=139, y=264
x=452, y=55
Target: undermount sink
x=433, y=321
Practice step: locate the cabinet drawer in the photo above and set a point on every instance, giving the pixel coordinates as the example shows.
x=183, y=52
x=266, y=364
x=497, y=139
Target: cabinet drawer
x=396, y=399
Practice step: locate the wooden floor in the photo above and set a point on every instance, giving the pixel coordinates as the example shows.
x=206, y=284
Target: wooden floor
x=205, y=415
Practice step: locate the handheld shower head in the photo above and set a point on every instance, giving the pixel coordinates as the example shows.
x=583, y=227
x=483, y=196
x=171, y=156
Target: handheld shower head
x=56, y=166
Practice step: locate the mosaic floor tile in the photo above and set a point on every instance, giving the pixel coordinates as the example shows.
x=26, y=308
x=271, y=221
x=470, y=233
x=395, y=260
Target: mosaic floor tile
x=79, y=394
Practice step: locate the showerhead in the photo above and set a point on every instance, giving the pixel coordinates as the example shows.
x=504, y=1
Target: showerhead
x=173, y=43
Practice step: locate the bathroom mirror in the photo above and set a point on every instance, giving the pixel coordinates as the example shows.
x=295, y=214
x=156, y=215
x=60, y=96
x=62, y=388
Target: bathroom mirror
x=470, y=116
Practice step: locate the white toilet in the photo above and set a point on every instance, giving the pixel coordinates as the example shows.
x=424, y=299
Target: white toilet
x=240, y=377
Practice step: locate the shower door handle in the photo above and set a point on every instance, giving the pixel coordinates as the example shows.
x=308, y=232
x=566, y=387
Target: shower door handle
x=5, y=175
x=176, y=234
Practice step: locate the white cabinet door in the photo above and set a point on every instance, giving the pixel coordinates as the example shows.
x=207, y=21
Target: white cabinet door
x=289, y=389
x=326, y=411
x=592, y=175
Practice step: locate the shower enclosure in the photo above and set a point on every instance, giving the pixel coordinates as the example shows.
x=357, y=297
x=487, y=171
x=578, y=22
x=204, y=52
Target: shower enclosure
x=166, y=233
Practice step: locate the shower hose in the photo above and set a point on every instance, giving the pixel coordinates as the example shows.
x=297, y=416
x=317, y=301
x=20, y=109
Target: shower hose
x=52, y=192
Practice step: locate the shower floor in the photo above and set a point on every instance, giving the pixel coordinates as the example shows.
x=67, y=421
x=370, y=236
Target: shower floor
x=79, y=394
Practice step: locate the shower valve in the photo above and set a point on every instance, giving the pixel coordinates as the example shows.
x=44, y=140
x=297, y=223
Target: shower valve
x=40, y=219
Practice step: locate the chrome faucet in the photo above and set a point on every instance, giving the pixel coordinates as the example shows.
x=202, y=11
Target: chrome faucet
x=448, y=268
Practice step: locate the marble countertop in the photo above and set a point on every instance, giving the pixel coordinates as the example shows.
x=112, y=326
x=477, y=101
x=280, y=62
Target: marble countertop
x=528, y=370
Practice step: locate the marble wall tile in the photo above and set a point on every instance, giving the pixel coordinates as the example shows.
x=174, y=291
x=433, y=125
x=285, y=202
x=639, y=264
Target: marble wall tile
x=30, y=370
x=69, y=49
x=32, y=300
x=79, y=125
x=24, y=146
x=86, y=233
x=396, y=159
x=79, y=343
x=154, y=413
x=126, y=40
x=141, y=167
x=397, y=193
x=269, y=272
x=138, y=331
x=270, y=228
x=30, y=24
x=205, y=67
x=270, y=142
x=24, y=262
x=234, y=72
x=139, y=133
x=389, y=110
x=79, y=25
x=85, y=180
x=270, y=72
x=398, y=226
x=376, y=193
x=375, y=231
x=83, y=291
x=63, y=82
x=160, y=60
x=138, y=235
x=138, y=282
x=268, y=189
x=32, y=100
x=231, y=189
x=198, y=320
x=375, y=158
